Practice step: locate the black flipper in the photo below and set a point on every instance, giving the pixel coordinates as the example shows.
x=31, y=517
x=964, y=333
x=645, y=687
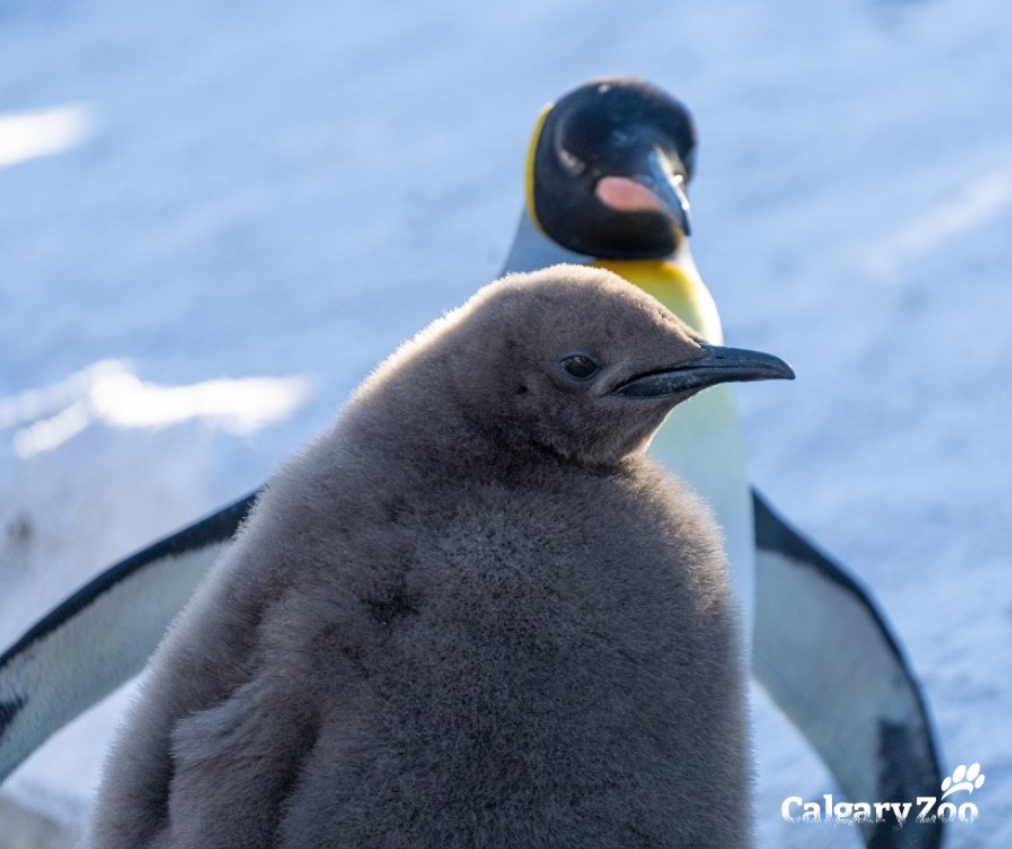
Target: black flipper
x=102, y=636
x=848, y=686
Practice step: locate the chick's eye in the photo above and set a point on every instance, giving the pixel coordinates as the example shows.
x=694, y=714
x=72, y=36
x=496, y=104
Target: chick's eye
x=580, y=366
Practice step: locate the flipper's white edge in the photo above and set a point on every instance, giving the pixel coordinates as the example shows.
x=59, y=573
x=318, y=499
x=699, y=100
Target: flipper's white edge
x=848, y=686
x=102, y=636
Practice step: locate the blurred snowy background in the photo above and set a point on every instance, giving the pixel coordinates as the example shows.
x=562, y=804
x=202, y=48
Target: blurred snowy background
x=273, y=195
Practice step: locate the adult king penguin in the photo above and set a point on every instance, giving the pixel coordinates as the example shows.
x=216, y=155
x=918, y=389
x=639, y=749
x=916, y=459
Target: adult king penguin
x=606, y=180
x=473, y=613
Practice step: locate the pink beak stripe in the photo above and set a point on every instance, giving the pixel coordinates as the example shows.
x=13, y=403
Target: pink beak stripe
x=626, y=195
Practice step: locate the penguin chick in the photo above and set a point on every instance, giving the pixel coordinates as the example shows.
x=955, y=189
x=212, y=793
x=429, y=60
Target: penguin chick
x=473, y=614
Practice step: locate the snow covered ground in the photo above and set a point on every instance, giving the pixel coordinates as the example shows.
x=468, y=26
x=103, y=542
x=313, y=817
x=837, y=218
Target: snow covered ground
x=274, y=195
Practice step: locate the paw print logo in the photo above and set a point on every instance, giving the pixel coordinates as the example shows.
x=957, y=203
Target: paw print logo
x=967, y=778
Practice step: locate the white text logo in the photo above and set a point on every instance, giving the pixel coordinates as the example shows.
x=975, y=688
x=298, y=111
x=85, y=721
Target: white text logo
x=926, y=809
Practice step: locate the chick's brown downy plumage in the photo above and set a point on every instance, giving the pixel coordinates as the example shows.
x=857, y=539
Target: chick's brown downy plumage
x=472, y=614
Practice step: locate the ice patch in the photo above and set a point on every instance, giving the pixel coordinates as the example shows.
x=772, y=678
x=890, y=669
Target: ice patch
x=978, y=204
x=109, y=392
x=42, y=132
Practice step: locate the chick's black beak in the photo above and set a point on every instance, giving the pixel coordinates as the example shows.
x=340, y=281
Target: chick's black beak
x=717, y=365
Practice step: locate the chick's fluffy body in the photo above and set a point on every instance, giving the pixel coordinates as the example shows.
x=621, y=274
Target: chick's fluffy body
x=426, y=639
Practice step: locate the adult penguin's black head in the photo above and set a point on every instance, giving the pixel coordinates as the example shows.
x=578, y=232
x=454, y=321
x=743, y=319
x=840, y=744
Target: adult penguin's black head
x=608, y=167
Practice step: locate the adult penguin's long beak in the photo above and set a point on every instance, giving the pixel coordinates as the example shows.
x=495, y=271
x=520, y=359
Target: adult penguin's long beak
x=717, y=365
x=657, y=185
x=666, y=180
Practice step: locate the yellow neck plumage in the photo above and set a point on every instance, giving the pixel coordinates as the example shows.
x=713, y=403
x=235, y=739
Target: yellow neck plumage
x=529, y=174
x=676, y=284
